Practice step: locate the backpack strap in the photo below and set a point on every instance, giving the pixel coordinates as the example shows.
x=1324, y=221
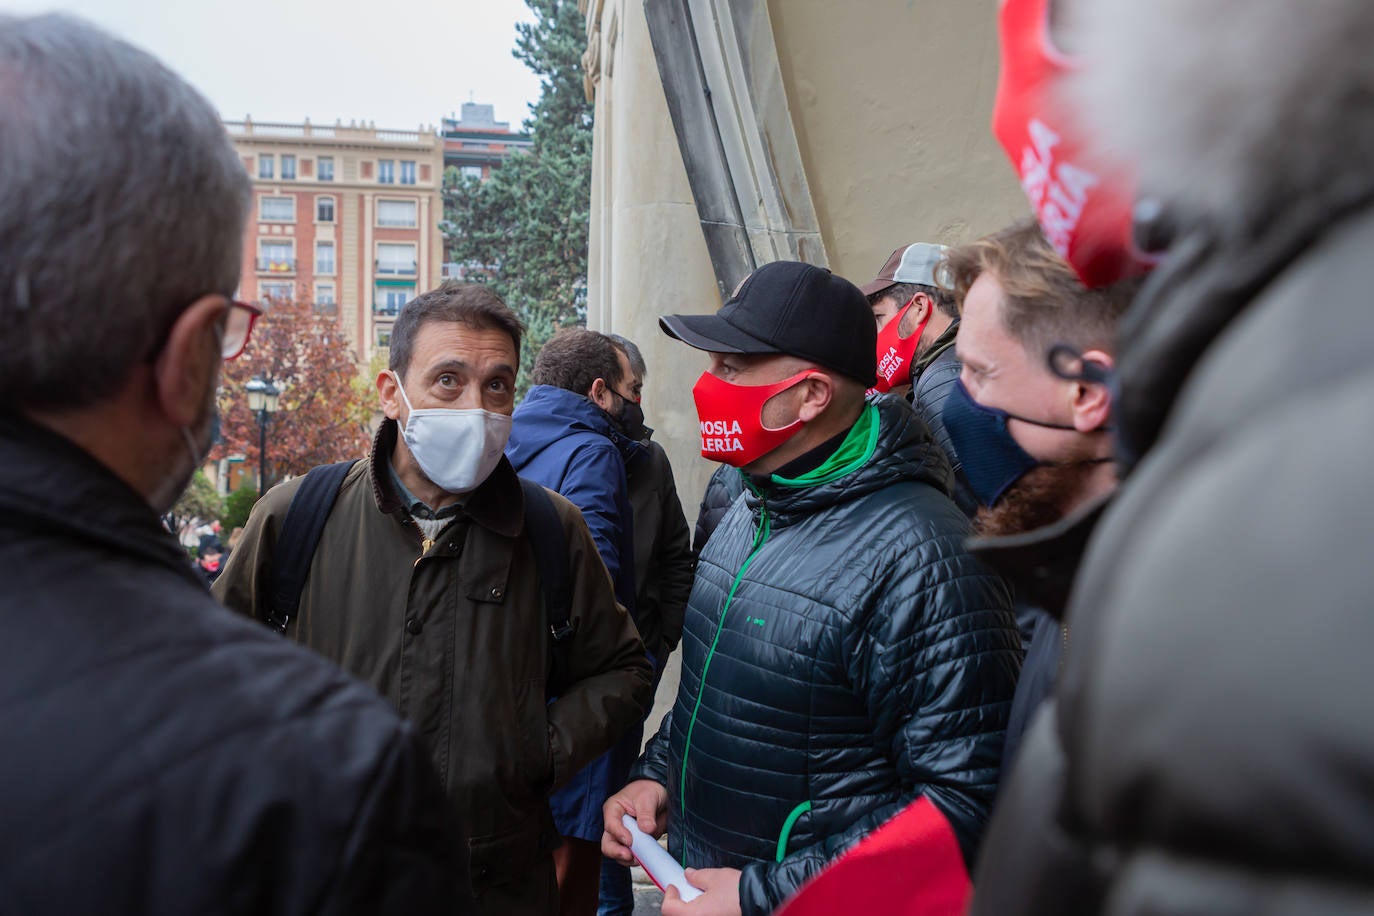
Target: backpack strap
x=551, y=558
x=298, y=538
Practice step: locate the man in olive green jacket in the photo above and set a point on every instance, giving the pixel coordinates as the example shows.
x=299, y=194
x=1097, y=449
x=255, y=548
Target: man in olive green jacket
x=429, y=590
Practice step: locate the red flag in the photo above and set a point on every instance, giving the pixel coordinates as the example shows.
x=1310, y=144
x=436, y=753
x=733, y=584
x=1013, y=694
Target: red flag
x=910, y=866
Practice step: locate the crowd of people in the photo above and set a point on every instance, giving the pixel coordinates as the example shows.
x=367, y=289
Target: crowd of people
x=1032, y=579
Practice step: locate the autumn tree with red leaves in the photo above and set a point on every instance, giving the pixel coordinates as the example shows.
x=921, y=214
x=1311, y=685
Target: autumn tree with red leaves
x=323, y=415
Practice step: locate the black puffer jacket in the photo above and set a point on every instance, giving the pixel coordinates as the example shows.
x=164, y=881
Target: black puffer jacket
x=933, y=377
x=865, y=659
x=159, y=755
x=722, y=490
x=1209, y=747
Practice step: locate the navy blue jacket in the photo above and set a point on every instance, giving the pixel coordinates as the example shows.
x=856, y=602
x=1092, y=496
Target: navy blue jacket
x=563, y=441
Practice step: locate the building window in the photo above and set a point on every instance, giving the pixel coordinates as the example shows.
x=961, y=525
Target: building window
x=288, y=167
x=471, y=171
x=277, y=209
x=324, y=258
x=386, y=171
x=396, y=214
x=389, y=299
x=276, y=255
x=326, y=164
x=281, y=291
x=407, y=172
x=324, y=298
x=384, y=335
x=366, y=168
x=324, y=209
x=424, y=173
x=394, y=259
x=266, y=164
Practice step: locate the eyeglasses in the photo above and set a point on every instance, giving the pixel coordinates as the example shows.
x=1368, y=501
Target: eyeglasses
x=238, y=327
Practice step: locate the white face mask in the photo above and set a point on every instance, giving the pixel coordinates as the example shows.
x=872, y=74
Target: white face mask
x=457, y=449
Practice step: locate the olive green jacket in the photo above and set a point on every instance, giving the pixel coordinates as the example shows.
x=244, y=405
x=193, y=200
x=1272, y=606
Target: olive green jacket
x=456, y=638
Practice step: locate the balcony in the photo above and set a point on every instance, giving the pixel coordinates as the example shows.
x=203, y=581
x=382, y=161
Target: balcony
x=276, y=265
x=387, y=309
x=396, y=222
x=395, y=269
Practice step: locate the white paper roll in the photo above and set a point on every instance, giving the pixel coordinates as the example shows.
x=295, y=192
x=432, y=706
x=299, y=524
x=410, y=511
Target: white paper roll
x=661, y=868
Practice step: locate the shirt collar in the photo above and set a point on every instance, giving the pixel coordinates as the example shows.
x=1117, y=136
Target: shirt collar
x=497, y=504
x=412, y=503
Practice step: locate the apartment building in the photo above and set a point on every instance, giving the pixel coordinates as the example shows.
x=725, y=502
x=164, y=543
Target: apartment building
x=475, y=142
x=344, y=216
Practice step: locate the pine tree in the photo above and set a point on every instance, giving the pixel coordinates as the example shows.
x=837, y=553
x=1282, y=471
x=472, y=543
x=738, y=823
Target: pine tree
x=527, y=224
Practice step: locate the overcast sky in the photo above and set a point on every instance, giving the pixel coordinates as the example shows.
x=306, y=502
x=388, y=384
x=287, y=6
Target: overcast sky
x=399, y=63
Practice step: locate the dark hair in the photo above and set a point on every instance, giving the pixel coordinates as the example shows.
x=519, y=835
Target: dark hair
x=575, y=358
x=632, y=353
x=471, y=304
x=124, y=203
x=1043, y=301
x=902, y=292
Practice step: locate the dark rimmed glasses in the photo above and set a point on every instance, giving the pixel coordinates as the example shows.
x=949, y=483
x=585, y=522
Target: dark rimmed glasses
x=238, y=327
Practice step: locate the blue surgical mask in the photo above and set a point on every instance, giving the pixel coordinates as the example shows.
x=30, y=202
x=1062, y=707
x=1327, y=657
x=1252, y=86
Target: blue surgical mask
x=991, y=458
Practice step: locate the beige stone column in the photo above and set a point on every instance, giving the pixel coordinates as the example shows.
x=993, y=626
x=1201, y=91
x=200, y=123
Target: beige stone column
x=647, y=255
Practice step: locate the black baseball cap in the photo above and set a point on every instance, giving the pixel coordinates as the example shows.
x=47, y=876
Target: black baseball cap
x=792, y=308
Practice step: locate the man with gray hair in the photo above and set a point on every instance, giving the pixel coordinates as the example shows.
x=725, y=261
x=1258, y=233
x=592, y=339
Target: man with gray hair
x=160, y=754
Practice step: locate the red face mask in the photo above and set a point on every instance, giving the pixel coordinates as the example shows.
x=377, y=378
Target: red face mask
x=1085, y=217
x=896, y=352
x=732, y=427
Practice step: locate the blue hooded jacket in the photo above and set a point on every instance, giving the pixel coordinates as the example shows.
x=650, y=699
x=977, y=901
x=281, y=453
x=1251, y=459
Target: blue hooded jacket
x=563, y=441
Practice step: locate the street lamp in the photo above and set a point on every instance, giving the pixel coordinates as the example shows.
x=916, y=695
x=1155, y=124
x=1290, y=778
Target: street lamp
x=262, y=399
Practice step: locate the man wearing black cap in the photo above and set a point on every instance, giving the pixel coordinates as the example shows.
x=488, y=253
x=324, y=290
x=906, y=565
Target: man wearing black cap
x=843, y=656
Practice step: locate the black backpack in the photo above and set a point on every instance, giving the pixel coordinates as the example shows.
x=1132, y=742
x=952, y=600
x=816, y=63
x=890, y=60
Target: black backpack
x=310, y=508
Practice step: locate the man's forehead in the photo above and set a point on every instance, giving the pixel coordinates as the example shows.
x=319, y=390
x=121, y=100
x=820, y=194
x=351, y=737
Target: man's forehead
x=440, y=340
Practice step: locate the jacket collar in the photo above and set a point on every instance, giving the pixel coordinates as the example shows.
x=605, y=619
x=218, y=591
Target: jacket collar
x=939, y=346
x=904, y=450
x=50, y=484
x=1043, y=563
x=498, y=504
x=1206, y=281
x=548, y=414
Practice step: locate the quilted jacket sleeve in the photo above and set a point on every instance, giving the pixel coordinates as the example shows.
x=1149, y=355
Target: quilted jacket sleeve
x=725, y=484
x=935, y=660
x=675, y=565
x=932, y=390
x=653, y=763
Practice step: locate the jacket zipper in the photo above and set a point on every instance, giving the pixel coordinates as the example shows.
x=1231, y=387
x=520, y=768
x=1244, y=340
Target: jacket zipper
x=425, y=542
x=760, y=537
x=786, y=833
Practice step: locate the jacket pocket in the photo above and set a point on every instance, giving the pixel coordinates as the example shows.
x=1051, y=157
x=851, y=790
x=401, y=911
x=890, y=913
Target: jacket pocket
x=500, y=858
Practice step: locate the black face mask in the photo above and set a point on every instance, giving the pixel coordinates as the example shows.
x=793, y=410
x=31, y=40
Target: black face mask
x=631, y=419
